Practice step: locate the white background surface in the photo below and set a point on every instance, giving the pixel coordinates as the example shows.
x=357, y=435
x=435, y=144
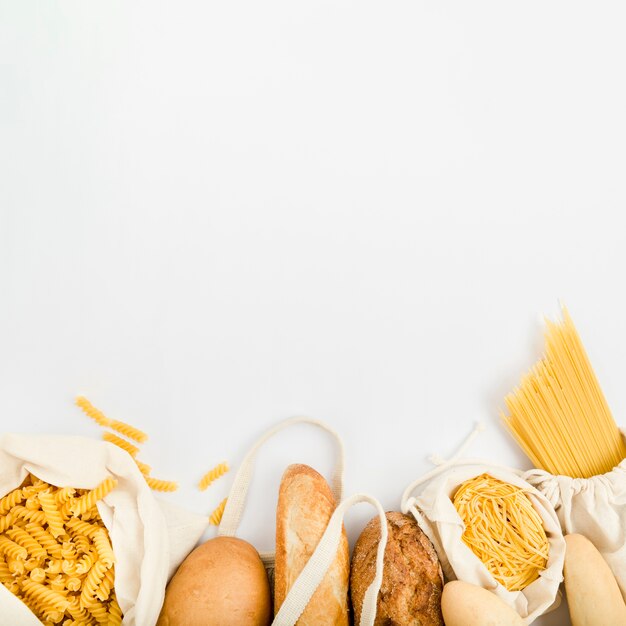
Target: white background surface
x=217, y=215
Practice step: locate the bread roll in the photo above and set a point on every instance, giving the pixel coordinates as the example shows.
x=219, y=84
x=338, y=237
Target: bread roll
x=305, y=505
x=223, y=581
x=410, y=594
x=593, y=596
x=464, y=604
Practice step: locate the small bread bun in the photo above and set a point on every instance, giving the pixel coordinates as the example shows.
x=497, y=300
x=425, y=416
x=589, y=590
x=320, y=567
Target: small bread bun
x=410, y=594
x=223, y=581
x=305, y=505
x=593, y=595
x=463, y=604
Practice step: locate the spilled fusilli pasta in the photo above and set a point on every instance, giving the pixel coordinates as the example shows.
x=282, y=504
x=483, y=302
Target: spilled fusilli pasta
x=102, y=420
x=128, y=431
x=216, y=517
x=212, y=475
x=161, y=485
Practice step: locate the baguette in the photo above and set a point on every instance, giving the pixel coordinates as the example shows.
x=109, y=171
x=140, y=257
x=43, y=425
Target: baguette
x=305, y=505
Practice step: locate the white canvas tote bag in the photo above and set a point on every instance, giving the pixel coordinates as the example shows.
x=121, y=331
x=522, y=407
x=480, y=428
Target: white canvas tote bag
x=149, y=538
x=429, y=500
x=324, y=554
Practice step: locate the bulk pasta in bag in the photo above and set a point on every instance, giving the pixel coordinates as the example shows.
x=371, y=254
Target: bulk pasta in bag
x=296, y=601
x=492, y=529
x=148, y=539
x=561, y=419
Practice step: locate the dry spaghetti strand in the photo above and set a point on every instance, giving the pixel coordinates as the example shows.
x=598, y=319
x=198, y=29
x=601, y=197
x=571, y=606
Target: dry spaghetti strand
x=503, y=530
x=559, y=415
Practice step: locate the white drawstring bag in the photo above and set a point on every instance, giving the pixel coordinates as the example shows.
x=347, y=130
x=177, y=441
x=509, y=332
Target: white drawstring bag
x=150, y=538
x=594, y=507
x=322, y=558
x=429, y=500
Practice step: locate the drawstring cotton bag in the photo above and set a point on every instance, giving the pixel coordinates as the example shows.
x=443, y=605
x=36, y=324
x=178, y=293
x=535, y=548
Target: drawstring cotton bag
x=429, y=500
x=314, y=571
x=594, y=507
x=149, y=538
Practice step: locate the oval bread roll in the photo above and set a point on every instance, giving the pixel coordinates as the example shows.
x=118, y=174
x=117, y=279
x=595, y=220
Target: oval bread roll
x=410, y=594
x=223, y=581
x=464, y=604
x=305, y=505
x=593, y=596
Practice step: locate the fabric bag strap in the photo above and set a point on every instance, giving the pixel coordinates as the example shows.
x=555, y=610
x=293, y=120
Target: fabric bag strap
x=314, y=571
x=237, y=498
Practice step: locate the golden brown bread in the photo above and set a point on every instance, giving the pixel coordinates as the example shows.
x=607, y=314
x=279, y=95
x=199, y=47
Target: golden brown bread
x=305, y=505
x=223, y=581
x=410, y=594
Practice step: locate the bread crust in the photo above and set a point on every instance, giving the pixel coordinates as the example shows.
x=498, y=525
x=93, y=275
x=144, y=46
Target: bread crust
x=305, y=505
x=222, y=581
x=410, y=594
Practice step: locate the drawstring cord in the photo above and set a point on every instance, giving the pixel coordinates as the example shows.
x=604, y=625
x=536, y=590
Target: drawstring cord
x=441, y=465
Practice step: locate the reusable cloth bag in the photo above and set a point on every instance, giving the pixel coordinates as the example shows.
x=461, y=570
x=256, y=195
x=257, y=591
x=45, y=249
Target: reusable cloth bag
x=314, y=571
x=437, y=516
x=594, y=507
x=149, y=538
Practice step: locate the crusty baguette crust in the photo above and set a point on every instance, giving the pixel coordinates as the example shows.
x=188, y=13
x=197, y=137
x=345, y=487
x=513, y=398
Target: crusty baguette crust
x=305, y=505
x=410, y=594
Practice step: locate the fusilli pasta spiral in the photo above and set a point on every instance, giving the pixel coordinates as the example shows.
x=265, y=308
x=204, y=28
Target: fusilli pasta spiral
x=216, y=517
x=61, y=569
x=212, y=475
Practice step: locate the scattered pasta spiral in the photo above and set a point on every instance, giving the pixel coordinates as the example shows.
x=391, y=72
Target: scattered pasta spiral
x=212, y=475
x=128, y=431
x=143, y=468
x=216, y=517
x=102, y=420
x=161, y=485
x=121, y=443
x=503, y=530
x=90, y=410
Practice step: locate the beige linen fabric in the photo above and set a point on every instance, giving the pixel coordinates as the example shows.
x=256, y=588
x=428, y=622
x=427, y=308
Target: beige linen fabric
x=432, y=507
x=594, y=507
x=149, y=538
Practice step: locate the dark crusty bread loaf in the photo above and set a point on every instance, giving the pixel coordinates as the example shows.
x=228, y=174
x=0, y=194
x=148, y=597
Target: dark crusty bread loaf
x=305, y=505
x=410, y=594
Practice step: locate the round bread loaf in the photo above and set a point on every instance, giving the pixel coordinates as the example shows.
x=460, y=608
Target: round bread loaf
x=410, y=594
x=223, y=581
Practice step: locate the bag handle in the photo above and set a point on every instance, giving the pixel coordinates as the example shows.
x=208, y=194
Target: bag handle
x=237, y=498
x=314, y=571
